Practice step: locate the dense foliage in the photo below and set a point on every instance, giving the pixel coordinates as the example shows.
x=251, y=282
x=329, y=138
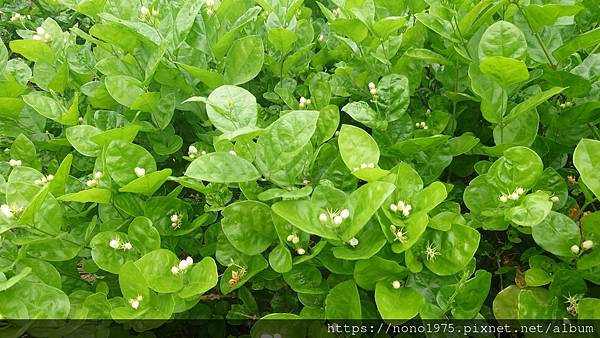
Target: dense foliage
x=286, y=158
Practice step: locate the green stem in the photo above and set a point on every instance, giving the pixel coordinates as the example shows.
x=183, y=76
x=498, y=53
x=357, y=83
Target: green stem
x=594, y=131
x=462, y=39
x=537, y=36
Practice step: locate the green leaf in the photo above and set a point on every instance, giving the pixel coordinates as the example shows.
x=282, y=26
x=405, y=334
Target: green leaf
x=106, y=257
x=388, y=26
x=202, y=277
x=248, y=226
x=147, y=184
x=587, y=161
x=456, y=248
x=556, y=234
x=93, y=195
x=546, y=15
x=532, y=210
x=222, y=167
x=360, y=152
x=33, y=50
x=343, y=302
x=505, y=71
x=244, y=60
x=361, y=112
x=585, y=40
x=80, y=138
x=352, y=28
x=531, y=103
x=282, y=39
x=156, y=266
x=208, y=77
x=122, y=158
x=42, y=301
x=124, y=89
x=397, y=304
x=503, y=39
x=7, y=284
x=231, y=108
x=280, y=259
x=52, y=109
x=143, y=235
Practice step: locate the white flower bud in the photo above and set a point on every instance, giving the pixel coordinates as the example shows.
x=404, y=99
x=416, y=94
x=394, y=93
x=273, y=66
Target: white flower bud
x=210, y=11
x=401, y=205
x=98, y=175
x=588, y=244
x=371, y=165
x=290, y=238
x=426, y=127
x=301, y=105
x=144, y=10
x=554, y=199
x=300, y=251
x=363, y=165
x=37, y=182
x=295, y=240
x=393, y=207
x=406, y=212
x=210, y=3
x=503, y=198
x=127, y=246
x=203, y=152
x=353, y=242
x=373, y=91
x=302, y=100
x=520, y=191
x=189, y=260
x=408, y=207
x=175, y=270
x=80, y=119
x=37, y=37
x=345, y=213
x=135, y=304
x=40, y=30
x=417, y=125
x=232, y=152
x=337, y=220
x=396, y=284
x=155, y=12
x=321, y=38
x=44, y=180
x=308, y=102
x=371, y=85
x=139, y=172
x=50, y=178
x=355, y=169
x=114, y=243
x=514, y=196
x=47, y=36
x=15, y=163
x=174, y=218
x=91, y=183
x=575, y=249
x=192, y=150
x=174, y=225
x=183, y=265
x=323, y=217
x=140, y=298
x=6, y=211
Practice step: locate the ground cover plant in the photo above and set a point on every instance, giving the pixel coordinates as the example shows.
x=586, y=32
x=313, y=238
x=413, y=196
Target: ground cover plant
x=342, y=159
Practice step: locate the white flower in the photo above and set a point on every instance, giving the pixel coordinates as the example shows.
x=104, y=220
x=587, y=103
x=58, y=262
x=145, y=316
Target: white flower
x=91, y=183
x=554, y=199
x=575, y=249
x=363, y=165
x=520, y=191
x=371, y=165
x=514, y=196
x=139, y=172
x=503, y=198
x=15, y=163
x=431, y=251
x=295, y=240
x=144, y=11
x=345, y=213
x=371, y=85
x=155, y=12
x=323, y=217
x=401, y=205
x=80, y=119
x=40, y=30
x=308, y=102
x=393, y=207
x=396, y=284
x=210, y=3
x=210, y=11
x=232, y=152
x=6, y=211
x=192, y=150
x=300, y=251
x=98, y=175
x=321, y=37
x=37, y=182
x=425, y=127
x=114, y=243
x=37, y=37
x=417, y=125
x=588, y=244
x=406, y=212
x=302, y=100
x=290, y=238
x=203, y=152
x=355, y=169
x=175, y=270
x=50, y=178
x=189, y=260
x=139, y=298
x=135, y=304
x=337, y=220
x=353, y=242
x=373, y=91
x=183, y=265
x=127, y=246
x=174, y=218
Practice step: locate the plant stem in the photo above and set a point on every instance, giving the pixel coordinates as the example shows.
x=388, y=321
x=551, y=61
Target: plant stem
x=594, y=131
x=537, y=36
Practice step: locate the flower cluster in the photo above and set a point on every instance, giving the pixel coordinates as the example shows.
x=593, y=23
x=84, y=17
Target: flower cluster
x=176, y=221
x=9, y=212
x=146, y=13
x=193, y=152
x=364, y=166
x=15, y=163
x=512, y=196
x=210, y=7
x=116, y=244
x=399, y=234
x=19, y=17
x=44, y=180
x=401, y=207
x=183, y=265
x=294, y=239
x=334, y=217
x=304, y=102
x=42, y=35
x=94, y=181
x=135, y=303
x=586, y=245
x=421, y=125
x=567, y=104
x=372, y=89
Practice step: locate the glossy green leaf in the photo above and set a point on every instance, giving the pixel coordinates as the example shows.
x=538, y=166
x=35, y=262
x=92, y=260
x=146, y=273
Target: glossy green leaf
x=222, y=168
